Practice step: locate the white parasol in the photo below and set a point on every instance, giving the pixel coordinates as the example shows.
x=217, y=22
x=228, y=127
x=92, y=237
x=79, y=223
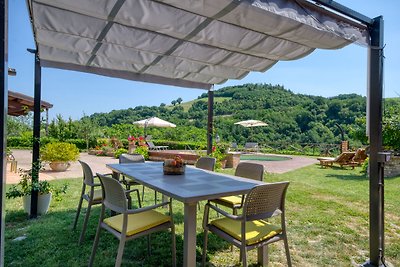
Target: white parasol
x=251, y=123
x=154, y=122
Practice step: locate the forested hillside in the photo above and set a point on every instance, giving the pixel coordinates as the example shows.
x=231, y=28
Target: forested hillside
x=294, y=118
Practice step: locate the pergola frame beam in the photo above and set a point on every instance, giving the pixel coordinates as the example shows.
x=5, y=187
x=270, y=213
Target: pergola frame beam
x=36, y=135
x=376, y=174
x=375, y=89
x=3, y=116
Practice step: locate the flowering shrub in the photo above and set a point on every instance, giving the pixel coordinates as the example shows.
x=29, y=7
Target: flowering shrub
x=144, y=150
x=219, y=153
x=139, y=141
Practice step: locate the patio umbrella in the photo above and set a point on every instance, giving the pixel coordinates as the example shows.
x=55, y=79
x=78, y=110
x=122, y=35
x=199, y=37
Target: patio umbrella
x=251, y=123
x=154, y=122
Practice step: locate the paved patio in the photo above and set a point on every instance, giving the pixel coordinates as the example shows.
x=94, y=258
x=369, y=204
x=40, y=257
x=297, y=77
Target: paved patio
x=24, y=158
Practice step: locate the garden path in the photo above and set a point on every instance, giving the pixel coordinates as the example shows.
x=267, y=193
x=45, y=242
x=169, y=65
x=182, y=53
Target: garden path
x=98, y=164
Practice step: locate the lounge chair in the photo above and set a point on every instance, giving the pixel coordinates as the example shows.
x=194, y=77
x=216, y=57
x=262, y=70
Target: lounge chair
x=344, y=159
x=151, y=146
x=251, y=147
x=360, y=156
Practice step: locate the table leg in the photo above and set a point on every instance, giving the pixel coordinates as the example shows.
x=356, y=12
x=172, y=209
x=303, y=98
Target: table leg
x=189, y=242
x=262, y=255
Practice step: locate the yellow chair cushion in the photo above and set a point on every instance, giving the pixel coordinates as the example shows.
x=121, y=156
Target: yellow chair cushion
x=256, y=231
x=233, y=200
x=97, y=194
x=138, y=222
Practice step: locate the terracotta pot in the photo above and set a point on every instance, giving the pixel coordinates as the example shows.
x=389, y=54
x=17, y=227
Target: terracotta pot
x=59, y=166
x=131, y=148
x=43, y=203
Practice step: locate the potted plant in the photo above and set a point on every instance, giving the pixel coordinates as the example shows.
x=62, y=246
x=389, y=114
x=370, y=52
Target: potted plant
x=59, y=154
x=218, y=152
x=24, y=189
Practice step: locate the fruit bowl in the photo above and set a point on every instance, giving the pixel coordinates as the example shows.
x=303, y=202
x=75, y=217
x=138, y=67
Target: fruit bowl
x=174, y=166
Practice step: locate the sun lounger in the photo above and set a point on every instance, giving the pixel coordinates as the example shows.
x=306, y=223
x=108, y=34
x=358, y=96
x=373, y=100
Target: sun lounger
x=360, y=156
x=251, y=147
x=344, y=159
x=151, y=146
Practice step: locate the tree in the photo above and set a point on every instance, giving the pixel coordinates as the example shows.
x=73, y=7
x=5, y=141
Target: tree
x=173, y=102
x=179, y=100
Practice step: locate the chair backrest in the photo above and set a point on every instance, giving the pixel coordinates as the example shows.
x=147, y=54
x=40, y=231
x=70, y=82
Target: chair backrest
x=114, y=196
x=345, y=157
x=131, y=158
x=206, y=163
x=150, y=144
x=265, y=201
x=87, y=174
x=251, y=145
x=250, y=170
x=360, y=155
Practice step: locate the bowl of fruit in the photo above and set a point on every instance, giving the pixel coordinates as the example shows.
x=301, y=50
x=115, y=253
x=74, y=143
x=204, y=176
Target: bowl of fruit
x=174, y=166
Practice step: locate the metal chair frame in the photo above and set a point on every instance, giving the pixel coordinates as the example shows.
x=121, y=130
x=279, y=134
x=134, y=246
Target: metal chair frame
x=88, y=181
x=115, y=200
x=248, y=170
x=262, y=202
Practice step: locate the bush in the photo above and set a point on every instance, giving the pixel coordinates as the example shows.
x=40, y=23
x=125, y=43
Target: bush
x=79, y=143
x=59, y=151
x=19, y=142
x=144, y=150
x=181, y=145
x=120, y=151
x=364, y=166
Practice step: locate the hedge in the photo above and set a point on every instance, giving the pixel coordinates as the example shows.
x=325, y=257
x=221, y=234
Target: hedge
x=23, y=142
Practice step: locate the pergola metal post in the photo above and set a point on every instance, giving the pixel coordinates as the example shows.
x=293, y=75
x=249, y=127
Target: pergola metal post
x=210, y=120
x=3, y=116
x=36, y=135
x=376, y=175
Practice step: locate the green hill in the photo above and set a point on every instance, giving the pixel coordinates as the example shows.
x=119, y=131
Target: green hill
x=292, y=118
x=187, y=105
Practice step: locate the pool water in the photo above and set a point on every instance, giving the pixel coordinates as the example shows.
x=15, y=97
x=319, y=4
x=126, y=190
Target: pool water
x=263, y=157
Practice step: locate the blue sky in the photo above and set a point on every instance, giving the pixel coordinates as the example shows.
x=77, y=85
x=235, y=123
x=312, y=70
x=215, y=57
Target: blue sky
x=324, y=72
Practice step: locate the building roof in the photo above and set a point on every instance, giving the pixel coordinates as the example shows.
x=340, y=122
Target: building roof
x=20, y=104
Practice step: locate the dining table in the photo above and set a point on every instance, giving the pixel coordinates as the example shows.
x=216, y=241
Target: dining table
x=192, y=186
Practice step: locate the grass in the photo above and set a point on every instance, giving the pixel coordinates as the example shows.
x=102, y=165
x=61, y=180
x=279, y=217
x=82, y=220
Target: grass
x=327, y=220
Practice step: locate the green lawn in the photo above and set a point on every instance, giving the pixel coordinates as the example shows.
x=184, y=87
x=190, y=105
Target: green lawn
x=327, y=219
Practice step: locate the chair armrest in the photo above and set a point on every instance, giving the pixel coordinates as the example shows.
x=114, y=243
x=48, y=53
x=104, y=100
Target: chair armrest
x=233, y=217
x=131, y=190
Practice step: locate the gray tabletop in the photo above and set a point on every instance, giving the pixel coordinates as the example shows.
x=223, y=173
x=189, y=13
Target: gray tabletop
x=192, y=186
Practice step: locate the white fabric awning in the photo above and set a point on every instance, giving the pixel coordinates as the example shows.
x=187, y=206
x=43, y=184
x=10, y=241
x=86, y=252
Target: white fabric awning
x=188, y=43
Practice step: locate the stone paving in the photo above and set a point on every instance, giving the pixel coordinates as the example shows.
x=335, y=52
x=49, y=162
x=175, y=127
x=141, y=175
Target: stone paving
x=24, y=159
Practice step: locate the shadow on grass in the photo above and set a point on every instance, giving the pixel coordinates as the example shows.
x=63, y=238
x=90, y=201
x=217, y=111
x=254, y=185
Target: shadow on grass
x=360, y=177
x=51, y=236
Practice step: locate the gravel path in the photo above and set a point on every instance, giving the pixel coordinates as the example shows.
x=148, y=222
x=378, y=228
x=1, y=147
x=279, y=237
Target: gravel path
x=24, y=158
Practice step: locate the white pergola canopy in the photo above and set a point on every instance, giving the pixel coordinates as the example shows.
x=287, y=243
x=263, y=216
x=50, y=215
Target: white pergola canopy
x=192, y=43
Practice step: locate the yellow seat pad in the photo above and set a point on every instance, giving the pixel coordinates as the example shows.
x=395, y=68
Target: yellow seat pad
x=97, y=194
x=234, y=200
x=138, y=222
x=256, y=231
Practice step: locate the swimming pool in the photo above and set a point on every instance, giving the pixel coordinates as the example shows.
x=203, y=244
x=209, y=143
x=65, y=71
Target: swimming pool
x=263, y=157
